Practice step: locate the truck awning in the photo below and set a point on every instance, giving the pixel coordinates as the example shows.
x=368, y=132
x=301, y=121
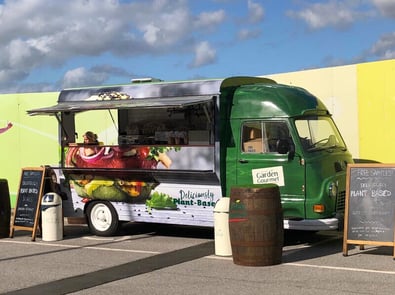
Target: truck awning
x=162, y=102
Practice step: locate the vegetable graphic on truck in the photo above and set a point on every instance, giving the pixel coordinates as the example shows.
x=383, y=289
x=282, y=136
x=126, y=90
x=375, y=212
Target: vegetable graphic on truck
x=116, y=189
x=180, y=146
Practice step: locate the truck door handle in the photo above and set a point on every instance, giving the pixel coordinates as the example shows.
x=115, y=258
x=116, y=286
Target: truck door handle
x=243, y=161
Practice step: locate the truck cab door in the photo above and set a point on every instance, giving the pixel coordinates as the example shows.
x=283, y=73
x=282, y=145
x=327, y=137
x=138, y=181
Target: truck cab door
x=266, y=154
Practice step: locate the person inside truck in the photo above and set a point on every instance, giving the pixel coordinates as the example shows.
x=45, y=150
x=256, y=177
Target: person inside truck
x=90, y=138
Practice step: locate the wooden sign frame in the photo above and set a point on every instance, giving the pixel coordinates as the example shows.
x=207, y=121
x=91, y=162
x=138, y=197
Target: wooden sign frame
x=370, y=187
x=27, y=209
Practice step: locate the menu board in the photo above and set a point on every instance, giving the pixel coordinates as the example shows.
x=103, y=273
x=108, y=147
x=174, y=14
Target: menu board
x=27, y=209
x=370, y=205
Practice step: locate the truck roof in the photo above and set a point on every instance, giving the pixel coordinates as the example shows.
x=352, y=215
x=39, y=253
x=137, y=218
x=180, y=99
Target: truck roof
x=274, y=100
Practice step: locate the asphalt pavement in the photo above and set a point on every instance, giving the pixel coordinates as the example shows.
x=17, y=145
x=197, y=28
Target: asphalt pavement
x=160, y=259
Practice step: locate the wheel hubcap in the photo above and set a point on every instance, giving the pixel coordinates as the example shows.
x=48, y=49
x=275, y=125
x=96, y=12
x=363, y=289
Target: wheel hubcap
x=101, y=217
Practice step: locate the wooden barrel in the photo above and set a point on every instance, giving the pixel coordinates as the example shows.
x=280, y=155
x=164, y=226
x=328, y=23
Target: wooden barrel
x=256, y=225
x=5, y=209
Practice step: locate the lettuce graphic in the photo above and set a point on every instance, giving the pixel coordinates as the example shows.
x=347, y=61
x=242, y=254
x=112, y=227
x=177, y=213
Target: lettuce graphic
x=160, y=201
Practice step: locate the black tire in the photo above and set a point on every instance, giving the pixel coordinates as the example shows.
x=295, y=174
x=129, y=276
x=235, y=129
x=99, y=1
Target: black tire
x=102, y=218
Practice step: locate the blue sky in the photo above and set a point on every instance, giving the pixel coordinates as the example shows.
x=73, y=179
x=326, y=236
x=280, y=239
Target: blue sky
x=48, y=45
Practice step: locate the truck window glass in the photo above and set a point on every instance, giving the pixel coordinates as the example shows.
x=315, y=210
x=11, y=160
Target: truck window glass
x=317, y=133
x=263, y=136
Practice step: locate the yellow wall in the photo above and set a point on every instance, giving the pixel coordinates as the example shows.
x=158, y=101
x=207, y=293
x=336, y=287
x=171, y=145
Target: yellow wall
x=361, y=98
x=376, y=106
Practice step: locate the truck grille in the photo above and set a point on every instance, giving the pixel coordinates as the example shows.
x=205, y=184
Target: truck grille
x=340, y=203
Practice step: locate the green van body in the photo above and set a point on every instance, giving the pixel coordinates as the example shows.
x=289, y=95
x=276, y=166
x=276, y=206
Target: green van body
x=256, y=131
x=309, y=176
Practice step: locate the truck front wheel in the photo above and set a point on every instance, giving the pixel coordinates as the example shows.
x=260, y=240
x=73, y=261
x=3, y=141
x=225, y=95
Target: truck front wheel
x=102, y=218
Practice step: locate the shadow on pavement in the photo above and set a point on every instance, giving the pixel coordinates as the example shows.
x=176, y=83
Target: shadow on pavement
x=127, y=270
x=313, y=245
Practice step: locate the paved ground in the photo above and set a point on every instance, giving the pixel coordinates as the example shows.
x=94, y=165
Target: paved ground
x=180, y=260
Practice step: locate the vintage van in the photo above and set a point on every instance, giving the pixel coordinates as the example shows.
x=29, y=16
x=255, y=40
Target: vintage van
x=180, y=146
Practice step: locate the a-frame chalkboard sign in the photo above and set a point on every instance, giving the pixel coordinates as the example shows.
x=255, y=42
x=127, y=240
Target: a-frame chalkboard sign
x=27, y=209
x=370, y=206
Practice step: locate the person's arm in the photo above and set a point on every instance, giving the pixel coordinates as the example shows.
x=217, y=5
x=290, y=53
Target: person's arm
x=2, y=130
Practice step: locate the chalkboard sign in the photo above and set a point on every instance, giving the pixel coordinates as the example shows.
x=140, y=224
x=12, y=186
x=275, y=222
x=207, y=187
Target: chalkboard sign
x=27, y=209
x=370, y=205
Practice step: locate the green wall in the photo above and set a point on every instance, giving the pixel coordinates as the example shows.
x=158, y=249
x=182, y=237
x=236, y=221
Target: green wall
x=31, y=142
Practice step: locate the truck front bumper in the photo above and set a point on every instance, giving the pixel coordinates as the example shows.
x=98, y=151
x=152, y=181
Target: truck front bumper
x=312, y=224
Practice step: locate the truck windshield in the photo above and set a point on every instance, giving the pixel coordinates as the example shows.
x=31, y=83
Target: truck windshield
x=318, y=133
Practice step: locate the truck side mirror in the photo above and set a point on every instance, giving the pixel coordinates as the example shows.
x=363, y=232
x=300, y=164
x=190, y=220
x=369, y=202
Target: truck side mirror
x=285, y=146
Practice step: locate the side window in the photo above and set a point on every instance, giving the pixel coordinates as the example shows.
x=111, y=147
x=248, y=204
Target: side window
x=263, y=136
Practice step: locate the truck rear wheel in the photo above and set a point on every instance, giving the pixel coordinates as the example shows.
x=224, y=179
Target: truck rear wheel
x=102, y=218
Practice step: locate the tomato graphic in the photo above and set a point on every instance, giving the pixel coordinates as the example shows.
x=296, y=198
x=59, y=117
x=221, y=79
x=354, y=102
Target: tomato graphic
x=144, y=152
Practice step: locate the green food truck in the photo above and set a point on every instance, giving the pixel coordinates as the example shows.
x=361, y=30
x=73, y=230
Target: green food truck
x=180, y=146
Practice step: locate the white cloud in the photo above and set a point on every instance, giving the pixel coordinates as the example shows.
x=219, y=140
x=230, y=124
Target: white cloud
x=74, y=76
x=163, y=26
x=256, y=12
x=209, y=19
x=96, y=75
x=204, y=54
x=245, y=34
x=41, y=33
x=10, y=77
x=18, y=53
x=384, y=48
x=386, y=7
x=334, y=13
x=151, y=35
x=47, y=35
x=82, y=77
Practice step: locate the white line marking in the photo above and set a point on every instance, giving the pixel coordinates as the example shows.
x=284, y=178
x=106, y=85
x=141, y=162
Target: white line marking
x=82, y=247
x=319, y=266
x=219, y=257
x=342, y=268
x=210, y=256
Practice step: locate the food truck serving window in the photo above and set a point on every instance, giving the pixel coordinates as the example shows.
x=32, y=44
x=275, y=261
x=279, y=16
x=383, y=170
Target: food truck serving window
x=171, y=120
x=188, y=125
